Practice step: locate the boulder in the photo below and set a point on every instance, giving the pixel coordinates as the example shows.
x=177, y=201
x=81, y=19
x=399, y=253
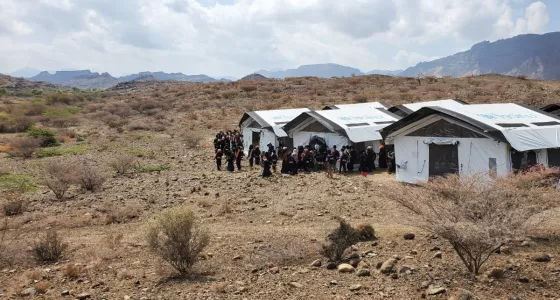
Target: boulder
x=388, y=266
x=355, y=287
x=363, y=272
x=296, y=285
x=83, y=296
x=438, y=254
x=540, y=257
x=345, y=268
x=409, y=236
x=436, y=291
x=405, y=270
x=496, y=273
x=28, y=292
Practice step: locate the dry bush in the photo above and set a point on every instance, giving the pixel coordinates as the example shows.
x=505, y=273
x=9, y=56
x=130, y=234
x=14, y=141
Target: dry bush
x=229, y=94
x=123, y=164
x=339, y=240
x=24, y=147
x=362, y=98
x=49, y=248
x=192, y=139
x=475, y=215
x=367, y=233
x=13, y=207
x=73, y=271
x=176, y=236
x=60, y=176
x=249, y=87
x=89, y=178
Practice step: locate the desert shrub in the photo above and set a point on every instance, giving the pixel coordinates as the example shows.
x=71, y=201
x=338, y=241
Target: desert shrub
x=123, y=164
x=13, y=207
x=176, y=236
x=60, y=176
x=192, y=139
x=72, y=271
x=48, y=152
x=474, y=215
x=17, y=124
x=15, y=183
x=47, y=137
x=150, y=169
x=24, y=147
x=339, y=240
x=35, y=109
x=367, y=233
x=360, y=98
x=248, y=87
x=229, y=94
x=89, y=178
x=3, y=92
x=49, y=248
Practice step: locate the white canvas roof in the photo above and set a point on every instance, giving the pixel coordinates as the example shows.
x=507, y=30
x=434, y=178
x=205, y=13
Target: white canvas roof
x=448, y=104
x=275, y=118
x=524, y=128
x=360, y=124
x=361, y=105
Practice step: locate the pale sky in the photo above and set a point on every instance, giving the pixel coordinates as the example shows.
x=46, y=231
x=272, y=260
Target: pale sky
x=237, y=37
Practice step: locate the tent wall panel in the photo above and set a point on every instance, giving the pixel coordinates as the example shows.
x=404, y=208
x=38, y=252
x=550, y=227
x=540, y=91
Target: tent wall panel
x=474, y=157
x=301, y=138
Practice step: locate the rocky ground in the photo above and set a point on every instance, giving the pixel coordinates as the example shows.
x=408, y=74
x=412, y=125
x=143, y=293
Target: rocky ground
x=265, y=233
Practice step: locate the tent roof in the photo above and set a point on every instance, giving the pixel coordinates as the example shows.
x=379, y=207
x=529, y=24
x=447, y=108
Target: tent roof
x=273, y=119
x=523, y=127
x=412, y=107
x=358, y=105
x=552, y=108
x=359, y=125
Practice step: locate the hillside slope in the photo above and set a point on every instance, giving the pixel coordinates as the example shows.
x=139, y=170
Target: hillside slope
x=531, y=55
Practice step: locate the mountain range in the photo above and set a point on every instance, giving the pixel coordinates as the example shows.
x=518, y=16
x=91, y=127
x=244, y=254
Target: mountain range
x=530, y=55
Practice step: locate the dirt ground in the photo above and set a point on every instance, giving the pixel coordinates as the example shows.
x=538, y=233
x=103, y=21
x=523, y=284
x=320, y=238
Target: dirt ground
x=265, y=233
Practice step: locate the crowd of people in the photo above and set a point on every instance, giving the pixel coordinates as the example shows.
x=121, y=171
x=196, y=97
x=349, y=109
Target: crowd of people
x=310, y=158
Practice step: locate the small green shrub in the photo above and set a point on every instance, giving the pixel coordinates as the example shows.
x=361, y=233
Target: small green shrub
x=63, y=112
x=48, y=137
x=48, y=152
x=176, y=236
x=16, y=183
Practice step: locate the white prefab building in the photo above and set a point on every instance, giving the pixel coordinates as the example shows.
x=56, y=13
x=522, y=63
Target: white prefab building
x=341, y=127
x=489, y=139
x=260, y=128
x=367, y=105
x=406, y=109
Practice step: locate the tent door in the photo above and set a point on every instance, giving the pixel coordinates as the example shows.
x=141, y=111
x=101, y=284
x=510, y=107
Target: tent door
x=287, y=142
x=554, y=158
x=256, y=138
x=444, y=159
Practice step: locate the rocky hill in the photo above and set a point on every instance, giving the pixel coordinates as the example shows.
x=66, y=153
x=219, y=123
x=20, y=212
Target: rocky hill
x=318, y=70
x=60, y=77
x=254, y=76
x=93, y=81
x=170, y=76
x=20, y=84
x=531, y=55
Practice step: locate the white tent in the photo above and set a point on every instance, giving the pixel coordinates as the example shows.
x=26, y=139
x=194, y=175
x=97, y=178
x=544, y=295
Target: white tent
x=406, y=109
x=367, y=105
x=265, y=126
x=490, y=139
x=340, y=127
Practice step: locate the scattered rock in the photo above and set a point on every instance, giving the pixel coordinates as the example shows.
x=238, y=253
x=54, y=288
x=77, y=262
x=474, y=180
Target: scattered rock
x=237, y=257
x=409, y=236
x=378, y=265
x=28, y=292
x=463, y=294
x=65, y=293
x=496, y=273
x=437, y=254
x=354, y=262
x=425, y=284
x=345, y=268
x=540, y=257
x=514, y=298
x=355, y=287
x=523, y=280
x=435, y=248
x=405, y=270
x=241, y=289
x=363, y=272
x=331, y=266
x=333, y=282
x=296, y=285
x=316, y=263
x=526, y=243
x=395, y=276
x=413, y=252
x=388, y=266
x=436, y=291
x=505, y=250
x=274, y=270
x=83, y=296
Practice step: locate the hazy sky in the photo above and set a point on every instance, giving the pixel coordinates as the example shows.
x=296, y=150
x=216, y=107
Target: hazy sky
x=237, y=37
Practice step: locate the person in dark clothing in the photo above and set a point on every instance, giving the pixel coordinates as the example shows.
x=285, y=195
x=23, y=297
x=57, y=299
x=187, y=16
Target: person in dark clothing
x=285, y=164
x=364, y=169
x=391, y=162
x=219, y=156
x=382, y=157
x=230, y=159
x=251, y=156
x=331, y=163
x=344, y=159
x=352, y=159
x=270, y=149
x=292, y=164
x=238, y=158
x=266, y=166
x=257, y=155
x=273, y=160
x=370, y=159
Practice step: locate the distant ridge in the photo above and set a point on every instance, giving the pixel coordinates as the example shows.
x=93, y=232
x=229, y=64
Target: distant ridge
x=253, y=76
x=317, y=70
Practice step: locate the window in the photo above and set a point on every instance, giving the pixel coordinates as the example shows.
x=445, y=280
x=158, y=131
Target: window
x=546, y=123
x=384, y=122
x=510, y=125
x=357, y=124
